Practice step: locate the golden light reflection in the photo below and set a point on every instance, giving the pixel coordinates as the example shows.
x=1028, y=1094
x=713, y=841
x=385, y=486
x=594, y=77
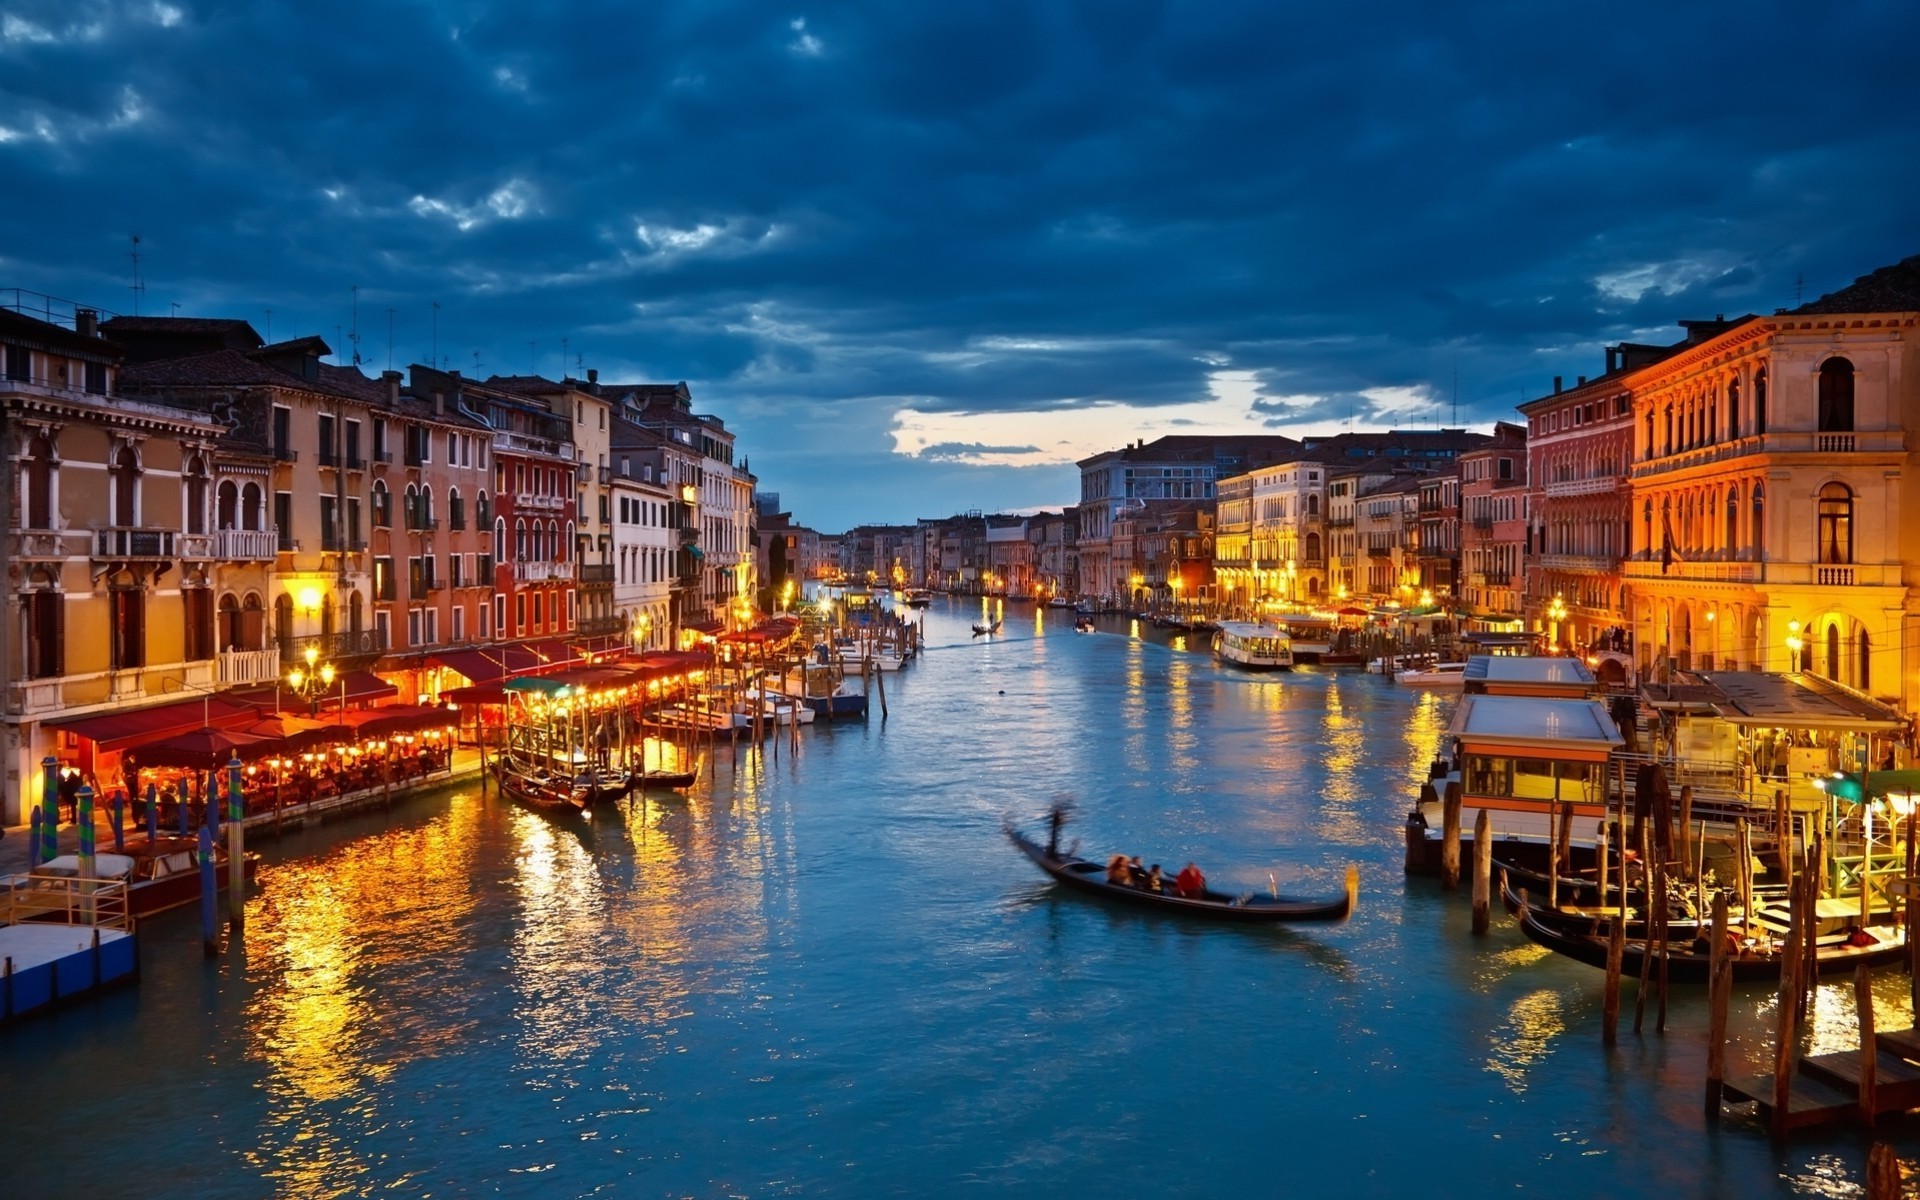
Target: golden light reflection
x=331, y=943
x=1525, y=1037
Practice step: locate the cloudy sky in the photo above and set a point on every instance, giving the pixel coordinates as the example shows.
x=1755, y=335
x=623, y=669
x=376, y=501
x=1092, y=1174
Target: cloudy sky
x=923, y=256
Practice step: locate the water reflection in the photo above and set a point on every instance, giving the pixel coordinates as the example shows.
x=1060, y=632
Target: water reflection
x=1522, y=1040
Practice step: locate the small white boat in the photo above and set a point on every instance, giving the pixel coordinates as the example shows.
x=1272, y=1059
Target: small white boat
x=1059, y=602
x=1452, y=675
x=882, y=660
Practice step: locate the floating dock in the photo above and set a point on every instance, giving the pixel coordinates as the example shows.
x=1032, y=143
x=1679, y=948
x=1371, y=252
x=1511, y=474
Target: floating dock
x=63, y=939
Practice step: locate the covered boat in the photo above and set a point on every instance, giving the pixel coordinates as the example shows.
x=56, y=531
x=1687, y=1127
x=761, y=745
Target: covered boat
x=1757, y=962
x=1081, y=875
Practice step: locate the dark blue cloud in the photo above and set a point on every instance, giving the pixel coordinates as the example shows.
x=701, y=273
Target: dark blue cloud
x=819, y=216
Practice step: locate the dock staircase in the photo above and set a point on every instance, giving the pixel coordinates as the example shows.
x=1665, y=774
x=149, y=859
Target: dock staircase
x=1826, y=1088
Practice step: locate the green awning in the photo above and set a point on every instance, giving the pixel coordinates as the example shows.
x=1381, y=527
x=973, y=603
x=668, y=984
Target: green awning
x=1848, y=787
x=696, y=551
x=535, y=683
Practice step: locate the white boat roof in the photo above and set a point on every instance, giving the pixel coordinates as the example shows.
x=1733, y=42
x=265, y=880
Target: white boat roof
x=105, y=866
x=1516, y=668
x=1535, y=721
x=1248, y=629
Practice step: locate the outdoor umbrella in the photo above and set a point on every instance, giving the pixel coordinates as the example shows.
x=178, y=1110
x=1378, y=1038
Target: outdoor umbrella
x=203, y=749
x=295, y=734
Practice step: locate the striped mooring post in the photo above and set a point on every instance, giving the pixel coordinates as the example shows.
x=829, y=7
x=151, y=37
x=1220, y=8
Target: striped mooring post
x=236, y=847
x=209, y=895
x=83, y=813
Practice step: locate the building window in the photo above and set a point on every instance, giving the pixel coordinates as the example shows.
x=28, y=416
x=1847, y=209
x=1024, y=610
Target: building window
x=283, y=518
x=1865, y=680
x=1733, y=408
x=1836, y=396
x=283, y=433
x=46, y=641
x=383, y=582
x=1836, y=524
x=1759, y=509
x=97, y=378
x=40, y=466
x=19, y=364
x=198, y=606
x=1760, y=402
x=129, y=627
x=126, y=488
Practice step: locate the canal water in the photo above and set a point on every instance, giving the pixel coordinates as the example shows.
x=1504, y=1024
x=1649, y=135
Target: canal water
x=830, y=975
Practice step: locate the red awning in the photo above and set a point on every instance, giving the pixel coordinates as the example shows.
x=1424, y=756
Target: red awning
x=706, y=627
x=479, y=666
x=552, y=655
x=479, y=693
x=128, y=727
x=401, y=718
x=352, y=687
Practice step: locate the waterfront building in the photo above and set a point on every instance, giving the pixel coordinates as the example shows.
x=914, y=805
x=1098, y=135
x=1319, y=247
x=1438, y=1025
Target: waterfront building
x=881, y=554
x=1439, y=545
x=1055, y=554
x=1138, y=476
x=720, y=503
x=1009, y=557
x=1177, y=548
x=656, y=588
x=110, y=551
x=1288, y=538
x=1233, y=546
x=1493, y=528
x=1769, y=528
x=1387, y=523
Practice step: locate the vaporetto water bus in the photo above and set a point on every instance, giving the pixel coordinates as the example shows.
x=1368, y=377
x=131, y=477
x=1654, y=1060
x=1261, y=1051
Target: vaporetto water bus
x=1253, y=647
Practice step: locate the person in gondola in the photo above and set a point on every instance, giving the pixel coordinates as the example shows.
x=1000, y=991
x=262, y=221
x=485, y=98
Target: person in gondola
x=1154, y=882
x=1119, y=872
x=1189, y=882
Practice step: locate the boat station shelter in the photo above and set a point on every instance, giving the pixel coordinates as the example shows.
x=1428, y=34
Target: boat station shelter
x=1555, y=678
x=1522, y=752
x=1763, y=730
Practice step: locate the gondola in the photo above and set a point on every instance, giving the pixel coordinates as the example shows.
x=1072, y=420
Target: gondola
x=1081, y=875
x=659, y=780
x=978, y=630
x=1758, y=963
x=539, y=791
x=1582, y=919
x=1084, y=625
x=604, y=785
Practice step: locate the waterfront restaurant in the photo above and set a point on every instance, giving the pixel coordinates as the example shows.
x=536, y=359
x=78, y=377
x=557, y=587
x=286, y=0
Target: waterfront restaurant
x=1519, y=758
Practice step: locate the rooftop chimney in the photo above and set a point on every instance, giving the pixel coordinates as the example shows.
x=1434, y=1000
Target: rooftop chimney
x=439, y=403
x=593, y=374
x=86, y=322
x=392, y=380
x=1582, y=383
x=1556, y=385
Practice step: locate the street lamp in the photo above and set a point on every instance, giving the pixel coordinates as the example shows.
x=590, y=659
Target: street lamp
x=1557, y=612
x=1793, y=645
x=313, y=682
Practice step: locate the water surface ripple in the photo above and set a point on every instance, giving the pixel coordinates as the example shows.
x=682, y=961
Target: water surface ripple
x=830, y=975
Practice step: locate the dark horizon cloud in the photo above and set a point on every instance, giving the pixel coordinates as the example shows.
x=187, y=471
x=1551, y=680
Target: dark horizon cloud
x=880, y=239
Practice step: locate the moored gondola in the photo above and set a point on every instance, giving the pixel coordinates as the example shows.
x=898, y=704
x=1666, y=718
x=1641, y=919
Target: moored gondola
x=664, y=780
x=1756, y=961
x=1079, y=874
x=539, y=791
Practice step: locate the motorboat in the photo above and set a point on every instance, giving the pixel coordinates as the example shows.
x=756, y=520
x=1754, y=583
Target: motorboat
x=1448, y=675
x=1085, y=625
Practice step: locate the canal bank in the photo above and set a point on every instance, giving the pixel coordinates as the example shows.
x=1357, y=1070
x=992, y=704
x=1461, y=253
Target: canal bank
x=833, y=976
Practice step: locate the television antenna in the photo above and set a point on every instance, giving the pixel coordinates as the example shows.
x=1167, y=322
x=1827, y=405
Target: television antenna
x=139, y=288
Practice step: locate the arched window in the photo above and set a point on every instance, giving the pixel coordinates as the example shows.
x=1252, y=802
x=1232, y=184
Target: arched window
x=482, y=511
x=1836, y=524
x=1863, y=679
x=1759, y=521
x=1313, y=547
x=126, y=488
x=1733, y=408
x=253, y=623
x=228, y=516
x=456, y=510
x=1732, y=538
x=1836, y=396
x=197, y=496
x=283, y=625
x=426, y=506
x=520, y=540
x=39, y=482
x=230, y=631
x=1647, y=513
x=499, y=539
x=1833, y=652
x=410, y=508
x=1313, y=508
x=356, y=618
x=1710, y=428
x=1760, y=402
x=1649, y=424
x=560, y=544
x=382, y=505
x=250, y=506
x=1670, y=446
x=326, y=622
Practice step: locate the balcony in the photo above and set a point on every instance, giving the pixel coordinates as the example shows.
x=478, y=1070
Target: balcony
x=194, y=545
x=596, y=573
x=541, y=572
x=600, y=626
x=429, y=586
x=422, y=522
x=355, y=462
x=382, y=458
x=285, y=454
x=606, y=476
x=239, y=667
x=333, y=646
x=521, y=443
x=528, y=500
x=1599, y=485
x=689, y=535
x=1706, y=572
x=122, y=543
x=1597, y=564
x=43, y=544
x=245, y=545
x=1879, y=441
x=1340, y=522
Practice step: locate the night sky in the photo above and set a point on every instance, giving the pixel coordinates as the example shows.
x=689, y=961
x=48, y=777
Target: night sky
x=923, y=256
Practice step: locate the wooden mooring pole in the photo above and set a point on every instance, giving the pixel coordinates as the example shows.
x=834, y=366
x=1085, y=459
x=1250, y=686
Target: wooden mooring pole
x=1719, y=992
x=1913, y=921
x=1610, y=1004
x=1789, y=1011
x=1869, y=1048
x=1883, y=1173
x=1482, y=870
x=1450, y=837
x=1686, y=829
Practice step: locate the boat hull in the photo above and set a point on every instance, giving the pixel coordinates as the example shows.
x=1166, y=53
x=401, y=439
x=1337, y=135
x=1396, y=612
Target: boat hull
x=1687, y=966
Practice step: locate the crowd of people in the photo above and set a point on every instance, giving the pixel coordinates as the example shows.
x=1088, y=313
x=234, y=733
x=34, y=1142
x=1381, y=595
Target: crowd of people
x=1127, y=872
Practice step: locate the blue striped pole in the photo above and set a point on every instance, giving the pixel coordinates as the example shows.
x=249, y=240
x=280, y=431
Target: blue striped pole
x=83, y=816
x=119, y=807
x=213, y=804
x=209, y=894
x=236, y=846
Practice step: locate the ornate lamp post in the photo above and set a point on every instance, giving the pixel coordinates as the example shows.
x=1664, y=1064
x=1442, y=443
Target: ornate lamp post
x=313, y=682
x=1556, y=612
x=1793, y=645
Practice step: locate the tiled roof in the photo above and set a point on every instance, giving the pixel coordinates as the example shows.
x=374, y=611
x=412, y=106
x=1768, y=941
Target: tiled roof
x=18, y=328
x=1890, y=289
x=221, y=368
